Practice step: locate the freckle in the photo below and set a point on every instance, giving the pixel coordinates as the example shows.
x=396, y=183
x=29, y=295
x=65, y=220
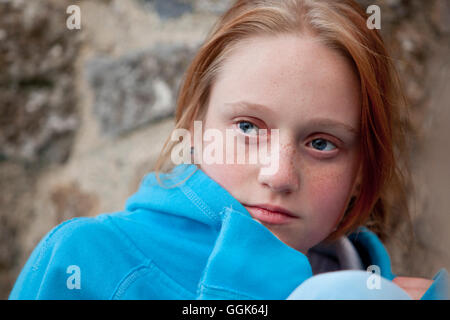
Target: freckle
x=288, y=149
x=288, y=146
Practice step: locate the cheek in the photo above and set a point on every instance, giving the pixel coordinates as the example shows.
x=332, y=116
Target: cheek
x=230, y=177
x=328, y=192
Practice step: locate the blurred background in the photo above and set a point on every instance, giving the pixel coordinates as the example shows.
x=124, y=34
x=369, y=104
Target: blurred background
x=84, y=113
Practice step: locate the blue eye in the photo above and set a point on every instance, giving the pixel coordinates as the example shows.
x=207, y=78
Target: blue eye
x=322, y=145
x=246, y=126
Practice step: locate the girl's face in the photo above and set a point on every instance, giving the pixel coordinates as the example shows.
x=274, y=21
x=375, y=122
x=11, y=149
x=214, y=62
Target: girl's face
x=311, y=94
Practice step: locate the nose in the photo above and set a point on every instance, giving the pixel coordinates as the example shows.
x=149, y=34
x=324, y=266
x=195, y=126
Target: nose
x=286, y=178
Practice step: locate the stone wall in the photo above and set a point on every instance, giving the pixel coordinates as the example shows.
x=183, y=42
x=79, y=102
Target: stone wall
x=84, y=113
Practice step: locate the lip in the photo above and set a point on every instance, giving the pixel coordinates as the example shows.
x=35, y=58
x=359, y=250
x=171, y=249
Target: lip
x=270, y=214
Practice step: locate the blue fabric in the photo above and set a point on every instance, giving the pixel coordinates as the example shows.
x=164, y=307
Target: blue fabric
x=440, y=288
x=192, y=241
x=347, y=285
x=372, y=251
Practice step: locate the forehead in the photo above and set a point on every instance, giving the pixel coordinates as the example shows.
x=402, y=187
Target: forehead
x=289, y=73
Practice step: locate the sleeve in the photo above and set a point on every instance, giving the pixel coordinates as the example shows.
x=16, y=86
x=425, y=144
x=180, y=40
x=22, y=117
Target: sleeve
x=72, y=262
x=37, y=268
x=248, y=262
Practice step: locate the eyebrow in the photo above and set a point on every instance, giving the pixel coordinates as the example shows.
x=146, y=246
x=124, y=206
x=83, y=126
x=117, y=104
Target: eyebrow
x=250, y=105
x=329, y=123
x=315, y=122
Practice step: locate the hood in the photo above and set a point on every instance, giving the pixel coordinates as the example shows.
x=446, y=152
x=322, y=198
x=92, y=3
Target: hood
x=188, y=192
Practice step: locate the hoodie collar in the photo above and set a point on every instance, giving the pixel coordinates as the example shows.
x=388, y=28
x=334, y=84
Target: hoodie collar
x=203, y=195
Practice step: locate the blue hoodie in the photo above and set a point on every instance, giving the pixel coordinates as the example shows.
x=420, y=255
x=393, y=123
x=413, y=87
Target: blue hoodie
x=193, y=241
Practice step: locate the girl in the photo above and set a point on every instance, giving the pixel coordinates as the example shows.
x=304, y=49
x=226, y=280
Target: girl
x=211, y=230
